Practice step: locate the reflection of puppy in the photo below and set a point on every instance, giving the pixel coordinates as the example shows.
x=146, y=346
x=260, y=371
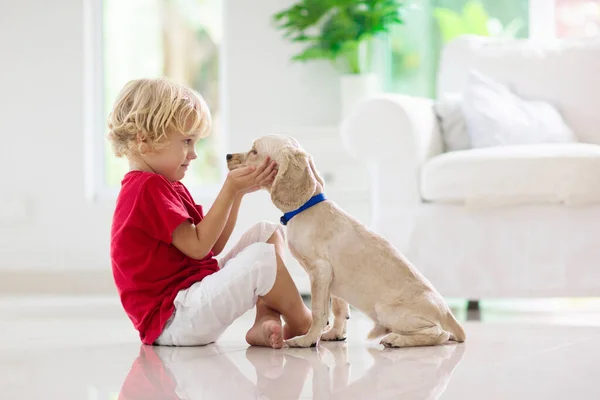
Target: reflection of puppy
x=347, y=261
x=422, y=373
x=326, y=379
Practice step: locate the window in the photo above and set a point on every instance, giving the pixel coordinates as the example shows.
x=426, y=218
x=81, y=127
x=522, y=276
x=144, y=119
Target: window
x=179, y=39
x=415, y=46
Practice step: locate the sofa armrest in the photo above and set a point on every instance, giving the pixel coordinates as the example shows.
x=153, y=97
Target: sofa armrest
x=392, y=126
x=394, y=134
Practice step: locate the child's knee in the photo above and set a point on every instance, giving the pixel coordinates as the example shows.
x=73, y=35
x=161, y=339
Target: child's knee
x=278, y=235
x=268, y=231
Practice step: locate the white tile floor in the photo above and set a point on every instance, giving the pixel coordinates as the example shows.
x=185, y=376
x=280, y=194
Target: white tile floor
x=85, y=349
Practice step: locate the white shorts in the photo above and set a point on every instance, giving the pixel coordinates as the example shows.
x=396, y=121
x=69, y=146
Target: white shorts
x=207, y=308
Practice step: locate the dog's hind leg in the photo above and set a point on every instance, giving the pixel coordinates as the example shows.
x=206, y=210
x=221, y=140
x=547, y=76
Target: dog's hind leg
x=409, y=328
x=341, y=314
x=377, y=331
x=431, y=336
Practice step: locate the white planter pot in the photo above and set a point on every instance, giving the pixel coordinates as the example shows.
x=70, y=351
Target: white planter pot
x=355, y=88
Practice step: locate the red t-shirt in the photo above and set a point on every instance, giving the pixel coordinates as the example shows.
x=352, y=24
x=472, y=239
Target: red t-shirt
x=148, y=270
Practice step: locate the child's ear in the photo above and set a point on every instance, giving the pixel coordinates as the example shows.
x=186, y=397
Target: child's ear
x=142, y=143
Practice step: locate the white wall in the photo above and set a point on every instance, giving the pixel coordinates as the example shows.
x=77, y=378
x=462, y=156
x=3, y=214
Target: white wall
x=41, y=120
x=41, y=115
x=265, y=90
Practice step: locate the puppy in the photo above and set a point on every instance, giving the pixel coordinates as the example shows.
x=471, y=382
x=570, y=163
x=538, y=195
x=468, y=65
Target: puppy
x=347, y=261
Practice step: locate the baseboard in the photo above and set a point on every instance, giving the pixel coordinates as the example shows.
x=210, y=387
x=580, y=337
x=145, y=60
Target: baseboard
x=57, y=282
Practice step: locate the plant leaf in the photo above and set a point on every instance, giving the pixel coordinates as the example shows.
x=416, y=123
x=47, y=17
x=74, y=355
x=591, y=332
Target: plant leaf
x=334, y=28
x=302, y=37
x=450, y=23
x=475, y=18
x=313, y=53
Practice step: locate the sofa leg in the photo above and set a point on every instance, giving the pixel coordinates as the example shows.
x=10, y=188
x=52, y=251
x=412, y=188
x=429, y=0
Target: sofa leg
x=473, y=311
x=473, y=305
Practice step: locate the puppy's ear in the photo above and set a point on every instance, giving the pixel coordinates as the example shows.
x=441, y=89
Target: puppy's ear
x=295, y=182
x=310, y=161
x=314, y=171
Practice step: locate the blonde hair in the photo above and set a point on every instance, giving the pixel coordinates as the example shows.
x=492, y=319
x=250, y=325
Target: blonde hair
x=146, y=110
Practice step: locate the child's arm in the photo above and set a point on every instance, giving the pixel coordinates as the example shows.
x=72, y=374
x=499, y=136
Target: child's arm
x=226, y=234
x=196, y=241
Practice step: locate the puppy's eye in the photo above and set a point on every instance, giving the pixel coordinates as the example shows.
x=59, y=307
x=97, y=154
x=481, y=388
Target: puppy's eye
x=253, y=152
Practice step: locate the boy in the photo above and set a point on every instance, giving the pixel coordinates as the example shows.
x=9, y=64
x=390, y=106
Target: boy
x=163, y=247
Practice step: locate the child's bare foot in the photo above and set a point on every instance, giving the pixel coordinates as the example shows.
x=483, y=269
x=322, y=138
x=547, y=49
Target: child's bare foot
x=266, y=333
x=300, y=326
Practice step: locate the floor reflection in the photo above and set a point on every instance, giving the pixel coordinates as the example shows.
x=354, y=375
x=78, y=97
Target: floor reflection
x=208, y=372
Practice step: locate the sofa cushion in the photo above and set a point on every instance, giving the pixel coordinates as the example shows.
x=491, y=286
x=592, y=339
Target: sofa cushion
x=561, y=72
x=495, y=116
x=566, y=173
x=453, y=128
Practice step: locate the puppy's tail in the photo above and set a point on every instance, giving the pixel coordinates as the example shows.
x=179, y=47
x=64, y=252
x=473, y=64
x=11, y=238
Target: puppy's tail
x=457, y=333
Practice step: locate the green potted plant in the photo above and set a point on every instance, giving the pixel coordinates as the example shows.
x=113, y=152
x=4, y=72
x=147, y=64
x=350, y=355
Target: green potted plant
x=339, y=31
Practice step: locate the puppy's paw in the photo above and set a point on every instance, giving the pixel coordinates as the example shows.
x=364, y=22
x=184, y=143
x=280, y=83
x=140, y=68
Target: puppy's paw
x=393, y=340
x=333, y=335
x=301, y=341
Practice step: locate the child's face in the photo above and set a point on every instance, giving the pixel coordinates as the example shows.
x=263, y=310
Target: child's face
x=173, y=161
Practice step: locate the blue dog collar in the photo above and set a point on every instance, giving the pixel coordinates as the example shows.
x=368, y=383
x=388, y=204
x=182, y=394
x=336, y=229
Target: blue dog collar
x=311, y=202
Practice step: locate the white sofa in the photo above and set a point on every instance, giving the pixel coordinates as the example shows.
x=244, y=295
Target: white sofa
x=520, y=221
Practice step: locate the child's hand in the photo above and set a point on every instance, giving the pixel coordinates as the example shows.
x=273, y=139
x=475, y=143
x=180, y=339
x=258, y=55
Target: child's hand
x=249, y=179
